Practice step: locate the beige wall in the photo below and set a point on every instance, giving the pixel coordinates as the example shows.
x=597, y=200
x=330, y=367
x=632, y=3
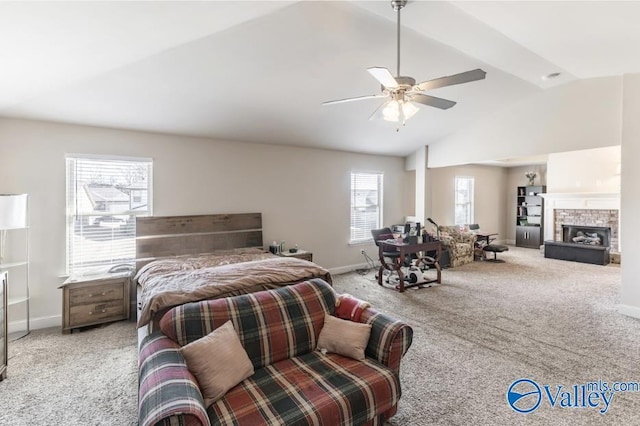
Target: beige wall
x=516, y=177
x=303, y=194
x=560, y=119
x=490, y=196
x=630, y=197
x=589, y=170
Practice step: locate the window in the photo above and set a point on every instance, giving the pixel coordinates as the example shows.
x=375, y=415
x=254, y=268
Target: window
x=366, y=205
x=464, y=200
x=104, y=196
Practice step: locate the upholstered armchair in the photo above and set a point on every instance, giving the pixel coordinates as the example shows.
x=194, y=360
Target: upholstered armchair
x=459, y=243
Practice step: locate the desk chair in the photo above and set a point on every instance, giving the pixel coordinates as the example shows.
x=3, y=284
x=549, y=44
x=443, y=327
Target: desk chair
x=380, y=235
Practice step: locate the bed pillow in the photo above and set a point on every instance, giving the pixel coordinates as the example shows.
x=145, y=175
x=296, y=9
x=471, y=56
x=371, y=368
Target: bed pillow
x=344, y=337
x=218, y=361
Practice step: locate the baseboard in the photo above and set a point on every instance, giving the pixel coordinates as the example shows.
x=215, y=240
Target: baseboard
x=630, y=311
x=35, y=323
x=349, y=268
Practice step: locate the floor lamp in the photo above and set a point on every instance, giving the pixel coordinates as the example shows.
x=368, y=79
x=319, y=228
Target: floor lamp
x=14, y=215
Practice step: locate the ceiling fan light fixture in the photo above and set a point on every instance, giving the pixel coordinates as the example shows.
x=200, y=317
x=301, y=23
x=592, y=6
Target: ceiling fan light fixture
x=391, y=111
x=396, y=110
x=409, y=109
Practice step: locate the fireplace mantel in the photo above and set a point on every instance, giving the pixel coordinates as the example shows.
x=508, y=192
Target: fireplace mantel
x=581, y=196
x=576, y=200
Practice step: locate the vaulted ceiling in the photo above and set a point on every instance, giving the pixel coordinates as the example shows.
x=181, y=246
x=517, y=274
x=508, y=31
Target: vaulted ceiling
x=259, y=71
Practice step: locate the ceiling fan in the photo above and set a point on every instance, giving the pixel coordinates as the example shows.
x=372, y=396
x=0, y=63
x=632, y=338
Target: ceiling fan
x=403, y=93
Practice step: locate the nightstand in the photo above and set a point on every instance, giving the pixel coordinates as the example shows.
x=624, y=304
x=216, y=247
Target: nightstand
x=95, y=299
x=300, y=254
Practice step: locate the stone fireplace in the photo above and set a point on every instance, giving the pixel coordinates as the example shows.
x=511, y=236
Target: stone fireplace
x=588, y=213
x=597, y=218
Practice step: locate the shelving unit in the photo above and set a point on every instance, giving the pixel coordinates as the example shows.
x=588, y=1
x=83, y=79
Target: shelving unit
x=14, y=260
x=3, y=326
x=530, y=216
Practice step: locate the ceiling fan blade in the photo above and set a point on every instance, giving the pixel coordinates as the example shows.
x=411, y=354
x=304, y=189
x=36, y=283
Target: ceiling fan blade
x=357, y=98
x=450, y=80
x=432, y=101
x=384, y=77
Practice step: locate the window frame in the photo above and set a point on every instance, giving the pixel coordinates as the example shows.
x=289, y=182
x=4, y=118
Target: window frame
x=379, y=207
x=469, y=205
x=72, y=207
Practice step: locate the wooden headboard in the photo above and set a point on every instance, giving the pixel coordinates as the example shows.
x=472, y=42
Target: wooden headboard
x=170, y=236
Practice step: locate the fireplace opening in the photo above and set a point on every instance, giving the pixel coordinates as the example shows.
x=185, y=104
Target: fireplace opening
x=586, y=235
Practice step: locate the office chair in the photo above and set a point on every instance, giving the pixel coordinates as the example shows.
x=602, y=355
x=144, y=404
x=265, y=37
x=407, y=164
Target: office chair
x=380, y=235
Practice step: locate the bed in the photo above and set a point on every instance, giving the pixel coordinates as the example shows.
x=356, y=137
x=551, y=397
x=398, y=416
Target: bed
x=183, y=259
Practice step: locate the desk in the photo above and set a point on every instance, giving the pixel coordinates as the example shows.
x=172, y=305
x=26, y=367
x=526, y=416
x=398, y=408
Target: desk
x=407, y=249
x=486, y=237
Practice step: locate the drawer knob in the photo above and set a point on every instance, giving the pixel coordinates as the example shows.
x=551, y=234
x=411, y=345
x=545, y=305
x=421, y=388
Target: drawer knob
x=90, y=313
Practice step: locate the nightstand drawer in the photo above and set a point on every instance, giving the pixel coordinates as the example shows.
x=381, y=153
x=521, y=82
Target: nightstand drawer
x=95, y=294
x=96, y=312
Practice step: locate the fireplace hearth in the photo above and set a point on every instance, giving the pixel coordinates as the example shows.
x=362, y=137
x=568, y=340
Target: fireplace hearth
x=586, y=244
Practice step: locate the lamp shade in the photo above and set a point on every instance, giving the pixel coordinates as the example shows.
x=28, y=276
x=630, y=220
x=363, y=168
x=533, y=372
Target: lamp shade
x=13, y=211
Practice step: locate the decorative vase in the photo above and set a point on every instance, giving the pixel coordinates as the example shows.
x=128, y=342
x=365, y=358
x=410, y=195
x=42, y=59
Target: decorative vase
x=531, y=179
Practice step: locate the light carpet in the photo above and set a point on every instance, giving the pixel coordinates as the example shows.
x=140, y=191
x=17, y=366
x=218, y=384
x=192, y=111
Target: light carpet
x=489, y=324
x=86, y=378
x=486, y=326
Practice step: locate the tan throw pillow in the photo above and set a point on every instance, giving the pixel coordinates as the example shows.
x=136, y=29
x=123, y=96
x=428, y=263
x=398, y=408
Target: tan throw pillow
x=218, y=361
x=344, y=337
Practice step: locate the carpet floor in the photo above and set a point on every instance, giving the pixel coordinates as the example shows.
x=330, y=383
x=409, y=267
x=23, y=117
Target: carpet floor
x=490, y=324
x=486, y=326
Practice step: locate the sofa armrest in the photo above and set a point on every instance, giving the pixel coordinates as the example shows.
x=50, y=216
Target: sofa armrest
x=168, y=393
x=390, y=338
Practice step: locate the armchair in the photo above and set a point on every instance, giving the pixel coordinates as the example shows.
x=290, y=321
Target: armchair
x=459, y=243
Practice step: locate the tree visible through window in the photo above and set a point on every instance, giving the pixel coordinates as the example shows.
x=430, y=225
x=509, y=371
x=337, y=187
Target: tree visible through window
x=104, y=196
x=366, y=204
x=464, y=200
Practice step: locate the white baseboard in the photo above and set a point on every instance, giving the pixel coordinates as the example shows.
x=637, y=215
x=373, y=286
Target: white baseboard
x=628, y=310
x=349, y=268
x=35, y=323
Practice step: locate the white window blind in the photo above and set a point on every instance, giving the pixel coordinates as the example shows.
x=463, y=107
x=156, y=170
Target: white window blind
x=104, y=196
x=366, y=205
x=464, y=200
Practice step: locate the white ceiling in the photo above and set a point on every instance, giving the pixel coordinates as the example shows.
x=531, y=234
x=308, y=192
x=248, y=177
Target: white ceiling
x=259, y=71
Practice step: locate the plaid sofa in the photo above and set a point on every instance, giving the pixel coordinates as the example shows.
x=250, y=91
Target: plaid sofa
x=293, y=383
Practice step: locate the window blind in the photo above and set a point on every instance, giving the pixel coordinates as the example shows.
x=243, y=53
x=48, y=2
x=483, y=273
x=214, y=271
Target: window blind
x=104, y=196
x=464, y=200
x=366, y=204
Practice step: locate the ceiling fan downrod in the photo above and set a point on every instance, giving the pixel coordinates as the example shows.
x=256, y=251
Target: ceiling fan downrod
x=397, y=5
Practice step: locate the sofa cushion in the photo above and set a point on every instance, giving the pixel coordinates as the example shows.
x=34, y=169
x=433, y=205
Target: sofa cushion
x=218, y=361
x=272, y=325
x=310, y=389
x=344, y=337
